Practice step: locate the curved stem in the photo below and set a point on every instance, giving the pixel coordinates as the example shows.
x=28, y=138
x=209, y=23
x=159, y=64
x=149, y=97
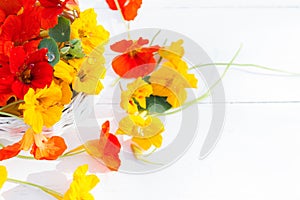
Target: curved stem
x=207, y=93
x=73, y=152
x=154, y=37
x=148, y=162
x=9, y=115
x=11, y=104
x=53, y=193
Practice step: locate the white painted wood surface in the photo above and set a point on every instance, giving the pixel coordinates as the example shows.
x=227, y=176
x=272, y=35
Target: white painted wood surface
x=258, y=154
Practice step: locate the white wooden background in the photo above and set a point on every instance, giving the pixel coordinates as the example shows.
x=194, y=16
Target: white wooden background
x=258, y=156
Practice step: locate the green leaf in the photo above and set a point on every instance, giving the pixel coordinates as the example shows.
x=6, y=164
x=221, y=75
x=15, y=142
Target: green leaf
x=61, y=32
x=53, y=53
x=157, y=104
x=147, y=79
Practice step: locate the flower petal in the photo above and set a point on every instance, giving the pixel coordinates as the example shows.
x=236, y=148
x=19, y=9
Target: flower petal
x=3, y=175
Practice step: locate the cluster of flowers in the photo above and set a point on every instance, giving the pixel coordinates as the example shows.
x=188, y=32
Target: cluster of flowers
x=160, y=81
x=44, y=53
x=49, y=51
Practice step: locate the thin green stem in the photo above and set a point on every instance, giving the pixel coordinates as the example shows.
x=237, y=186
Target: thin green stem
x=47, y=190
x=207, y=93
x=116, y=82
x=72, y=154
x=123, y=18
x=154, y=37
x=68, y=154
x=246, y=65
x=25, y=157
x=160, y=58
x=147, y=161
x=9, y=115
x=11, y=104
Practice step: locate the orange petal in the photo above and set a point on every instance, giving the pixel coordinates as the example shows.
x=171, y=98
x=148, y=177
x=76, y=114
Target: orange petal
x=106, y=149
x=10, y=151
x=50, y=149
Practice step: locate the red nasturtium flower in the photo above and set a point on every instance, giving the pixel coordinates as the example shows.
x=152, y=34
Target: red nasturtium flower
x=128, y=8
x=11, y=7
x=29, y=70
x=107, y=148
x=135, y=60
x=21, y=28
x=50, y=10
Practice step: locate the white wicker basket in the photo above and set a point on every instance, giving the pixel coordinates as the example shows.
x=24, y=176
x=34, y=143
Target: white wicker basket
x=12, y=129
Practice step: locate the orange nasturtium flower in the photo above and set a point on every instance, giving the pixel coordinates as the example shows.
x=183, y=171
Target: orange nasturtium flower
x=107, y=148
x=135, y=60
x=81, y=185
x=128, y=8
x=3, y=175
x=42, y=148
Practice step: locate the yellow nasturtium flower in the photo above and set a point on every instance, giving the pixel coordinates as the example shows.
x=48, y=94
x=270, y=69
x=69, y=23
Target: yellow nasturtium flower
x=43, y=107
x=173, y=78
x=136, y=91
x=85, y=27
x=84, y=74
x=3, y=175
x=173, y=54
x=146, y=130
x=81, y=185
x=92, y=69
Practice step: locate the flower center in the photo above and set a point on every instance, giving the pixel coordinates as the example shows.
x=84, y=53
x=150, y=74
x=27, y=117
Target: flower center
x=133, y=53
x=26, y=76
x=82, y=33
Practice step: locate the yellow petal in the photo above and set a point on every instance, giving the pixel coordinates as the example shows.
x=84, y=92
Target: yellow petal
x=80, y=172
x=143, y=144
x=67, y=93
x=146, y=143
x=52, y=115
x=81, y=185
x=64, y=71
x=91, y=70
x=175, y=49
x=128, y=127
x=34, y=118
x=3, y=175
x=175, y=98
